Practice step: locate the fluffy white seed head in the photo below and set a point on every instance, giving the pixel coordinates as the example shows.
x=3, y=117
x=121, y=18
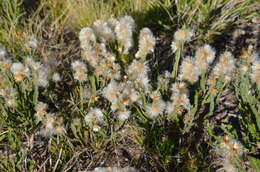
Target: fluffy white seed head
x=42, y=77
x=36, y=66
x=115, y=106
x=179, y=88
x=41, y=110
x=146, y=45
x=137, y=69
x=204, y=57
x=94, y=116
x=111, y=91
x=80, y=71
x=181, y=100
x=123, y=32
x=100, y=49
x=189, y=70
x=86, y=45
x=89, y=55
x=124, y=115
x=224, y=67
x=114, y=72
x=50, y=121
x=134, y=95
x=10, y=97
x=229, y=166
x=10, y=102
x=124, y=98
x=142, y=83
x=156, y=108
x=110, y=57
x=17, y=68
x=19, y=71
x=59, y=129
x=112, y=23
x=56, y=77
x=227, y=62
x=103, y=31
x=145, y=31
x=170, y=108
x=183, y=35
x=129, y=21
x=87, y=34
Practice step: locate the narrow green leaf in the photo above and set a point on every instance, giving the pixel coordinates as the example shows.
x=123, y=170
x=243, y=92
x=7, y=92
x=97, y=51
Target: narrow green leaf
x=2, y=137
x=93, y=83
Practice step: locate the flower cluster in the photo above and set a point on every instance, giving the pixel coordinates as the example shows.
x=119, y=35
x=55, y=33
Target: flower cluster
x=19, y=79
x=224, y=67
x=179, y=99
x=80, y=71
x=146, y=43
x=94, y=119
x=10, y=96
x=180, y=36
x=204, y=57
x=53, y=124
x=229, y=150
x=189, y=71
x=123, y=90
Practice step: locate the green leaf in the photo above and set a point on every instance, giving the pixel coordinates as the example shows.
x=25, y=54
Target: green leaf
x=93, y=83
x=254, y=162
x=2, y=137
x=12, y=140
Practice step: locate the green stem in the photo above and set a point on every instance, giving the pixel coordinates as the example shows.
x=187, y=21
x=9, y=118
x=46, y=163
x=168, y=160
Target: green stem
x=93, y=83
x=202, y=81
x=177, y=60
x=81, y=96
x=36, y=91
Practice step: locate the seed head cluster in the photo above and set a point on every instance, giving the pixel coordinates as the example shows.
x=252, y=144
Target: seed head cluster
x=29, y=75
x=115, y=83
x=146, y=43
x=204, y=57
x=124, y=33
x=103, y=31
x=189, y=70
x=95, y=118
x=224, y=68
x=53, y=125
x=19, y=71
x=180, y=36
x=229, y=150
x=183, y=35
x=80, y=71
x=122, y=91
